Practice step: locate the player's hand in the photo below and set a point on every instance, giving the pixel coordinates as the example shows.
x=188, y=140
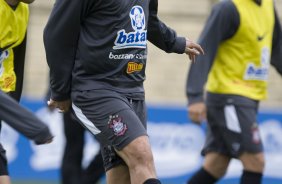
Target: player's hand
x=197, y=112
x=63, y=106
x=193, y=49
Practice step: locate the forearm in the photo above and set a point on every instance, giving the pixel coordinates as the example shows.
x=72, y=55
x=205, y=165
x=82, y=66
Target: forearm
x=23, y=120
x=161, y=35
x=61, y=35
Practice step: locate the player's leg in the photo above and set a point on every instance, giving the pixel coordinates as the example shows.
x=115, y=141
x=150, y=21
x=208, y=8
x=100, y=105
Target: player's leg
x=71, y=169
x=118, y=174
x=216, y=164
x=215, y=160
x=95, y=170
x=252, y=156
x=214, y=168
x=253, y=167
x=240, y=134
x=139, y=158
x=130, y=147
x=216, y=150
x=138, y=154
x=115, y=123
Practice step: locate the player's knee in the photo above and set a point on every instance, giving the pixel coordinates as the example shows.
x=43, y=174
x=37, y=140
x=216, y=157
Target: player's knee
x=142, y=152
x=139, y=152
x=221, y=170
x=216, y=164
x=217, y=170
x=253, y=162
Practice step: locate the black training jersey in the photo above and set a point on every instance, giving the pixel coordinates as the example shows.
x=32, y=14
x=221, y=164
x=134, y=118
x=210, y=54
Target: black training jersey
x=102, y=44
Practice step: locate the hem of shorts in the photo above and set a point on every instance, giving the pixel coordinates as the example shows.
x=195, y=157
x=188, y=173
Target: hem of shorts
x=204, y=152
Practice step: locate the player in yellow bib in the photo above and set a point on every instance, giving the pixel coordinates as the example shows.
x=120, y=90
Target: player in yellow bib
x=241, y=38
x=14, y=19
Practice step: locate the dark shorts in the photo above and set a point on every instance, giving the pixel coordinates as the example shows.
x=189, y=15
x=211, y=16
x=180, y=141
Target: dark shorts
x=232, y=130
x=3, y=162
x=113, y=118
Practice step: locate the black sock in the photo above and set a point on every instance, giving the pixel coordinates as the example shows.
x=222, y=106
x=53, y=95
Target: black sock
x=152, y=181
x=251, y=177
x=202, y=177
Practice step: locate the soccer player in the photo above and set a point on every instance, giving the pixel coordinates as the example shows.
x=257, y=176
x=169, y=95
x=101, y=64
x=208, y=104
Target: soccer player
x=241, y=37
x=97, y=52
x=14, y=19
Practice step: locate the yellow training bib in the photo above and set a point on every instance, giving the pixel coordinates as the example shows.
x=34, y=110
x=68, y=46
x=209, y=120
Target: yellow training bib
x=12, y=32
x=242, y=62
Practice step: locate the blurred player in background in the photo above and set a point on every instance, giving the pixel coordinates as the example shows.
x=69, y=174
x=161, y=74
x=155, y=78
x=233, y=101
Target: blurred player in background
x=14, y=20
x=23, y=121
x=241, y=38
x=97, y=52
x=72, y=171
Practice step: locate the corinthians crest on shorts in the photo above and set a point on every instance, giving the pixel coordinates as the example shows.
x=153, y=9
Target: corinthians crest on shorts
x=137, y=38
x=115, y=123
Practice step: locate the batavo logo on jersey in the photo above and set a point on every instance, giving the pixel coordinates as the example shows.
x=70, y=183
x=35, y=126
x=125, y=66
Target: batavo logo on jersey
x=256, y=73
x=137, y=38
x=115, y=123
x=134, y=67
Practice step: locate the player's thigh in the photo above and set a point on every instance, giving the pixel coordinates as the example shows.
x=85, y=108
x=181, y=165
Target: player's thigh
x=251, y=138
x=253, y=161
x=113, y=119
x=137, y=152
x=216, y=163
x=123, y=129
x=214, y=142
x=234, y=130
